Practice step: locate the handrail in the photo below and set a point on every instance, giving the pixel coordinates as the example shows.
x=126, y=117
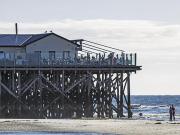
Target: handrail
x=104, y=45
x=98, y=48
x=88, y=59
x=95, y=49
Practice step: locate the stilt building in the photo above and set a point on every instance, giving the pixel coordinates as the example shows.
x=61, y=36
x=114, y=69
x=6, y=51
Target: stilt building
x=49, y=76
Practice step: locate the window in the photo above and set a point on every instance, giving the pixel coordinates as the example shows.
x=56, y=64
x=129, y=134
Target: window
x=1, y=55
x=38, y=54
x=51, y=55
x=66, y=54
x=8, y=55
x=37, y=57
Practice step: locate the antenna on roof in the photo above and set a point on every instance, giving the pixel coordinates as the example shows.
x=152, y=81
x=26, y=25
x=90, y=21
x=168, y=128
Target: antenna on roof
x=16, y=28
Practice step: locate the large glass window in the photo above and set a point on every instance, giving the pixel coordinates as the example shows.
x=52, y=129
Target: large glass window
x=1, y=55
x=37, y=58
x=51, y=55
x=38, y=54
x=66, y=54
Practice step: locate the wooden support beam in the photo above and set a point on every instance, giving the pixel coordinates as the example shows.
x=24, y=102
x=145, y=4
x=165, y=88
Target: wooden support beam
x=13, y=81
x=129, y=96
x=15, y=97
x=19, y=93
x=55, y=87
x=75, y=84
x=41, y=96
x=64, y=93
x=118, y=96
x=8, y=90
x=63, y=80
x=121, y=96
x=110, y=95
x=90, y=98
x=98, y=85
x=27, y=87
x=99, y=81
x=102, y=95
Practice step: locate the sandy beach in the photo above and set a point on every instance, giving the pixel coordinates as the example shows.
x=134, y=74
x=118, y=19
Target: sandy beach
x=112, y=126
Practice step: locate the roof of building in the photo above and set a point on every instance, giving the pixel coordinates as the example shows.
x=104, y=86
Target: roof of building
x=13, y=40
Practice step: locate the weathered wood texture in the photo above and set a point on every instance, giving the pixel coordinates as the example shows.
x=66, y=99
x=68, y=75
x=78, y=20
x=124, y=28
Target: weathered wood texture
x=64, y=93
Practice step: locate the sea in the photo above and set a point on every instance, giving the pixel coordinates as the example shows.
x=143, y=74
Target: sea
x=155, y=107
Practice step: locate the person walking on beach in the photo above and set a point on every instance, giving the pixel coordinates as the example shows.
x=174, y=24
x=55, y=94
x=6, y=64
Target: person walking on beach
x=170, y=113
x=173, y=112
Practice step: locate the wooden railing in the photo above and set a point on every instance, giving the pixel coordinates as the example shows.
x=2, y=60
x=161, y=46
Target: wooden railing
x=45, y=60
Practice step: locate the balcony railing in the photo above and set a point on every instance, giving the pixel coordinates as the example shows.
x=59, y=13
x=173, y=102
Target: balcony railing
x=57, y=60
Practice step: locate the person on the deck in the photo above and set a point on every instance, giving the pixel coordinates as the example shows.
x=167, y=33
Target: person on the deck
x=173, y=112
x=170, y=113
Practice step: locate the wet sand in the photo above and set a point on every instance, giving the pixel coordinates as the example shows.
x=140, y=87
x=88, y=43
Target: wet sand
x=114, y=126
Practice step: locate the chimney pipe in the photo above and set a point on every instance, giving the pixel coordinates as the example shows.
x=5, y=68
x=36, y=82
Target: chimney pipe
x=16, y=28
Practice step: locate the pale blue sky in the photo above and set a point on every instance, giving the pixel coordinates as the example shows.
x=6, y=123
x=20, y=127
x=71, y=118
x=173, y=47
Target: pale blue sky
x=149, y=27
x=43, y=10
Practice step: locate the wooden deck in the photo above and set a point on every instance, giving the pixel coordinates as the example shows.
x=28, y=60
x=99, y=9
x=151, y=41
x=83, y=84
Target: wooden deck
x=83, y=87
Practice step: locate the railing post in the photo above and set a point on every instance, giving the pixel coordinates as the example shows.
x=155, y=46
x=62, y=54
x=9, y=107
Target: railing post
x=112, y=58
x=88, y=58
x=127, y=59
x=131, y=59
x=99, y=59
x=135, y=59
x=14, y=60
x=39, y=59
x=5, y=60
x=123, y=60
x=75, y=59
x=129, y=96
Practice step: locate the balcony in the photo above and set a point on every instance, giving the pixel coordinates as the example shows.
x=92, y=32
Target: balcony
x=28, y=60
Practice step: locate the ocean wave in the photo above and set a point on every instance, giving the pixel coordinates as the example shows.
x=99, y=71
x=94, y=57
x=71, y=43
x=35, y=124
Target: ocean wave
x=152, y=116
x=151, y=109
x=135, y=106
x=139, y=106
